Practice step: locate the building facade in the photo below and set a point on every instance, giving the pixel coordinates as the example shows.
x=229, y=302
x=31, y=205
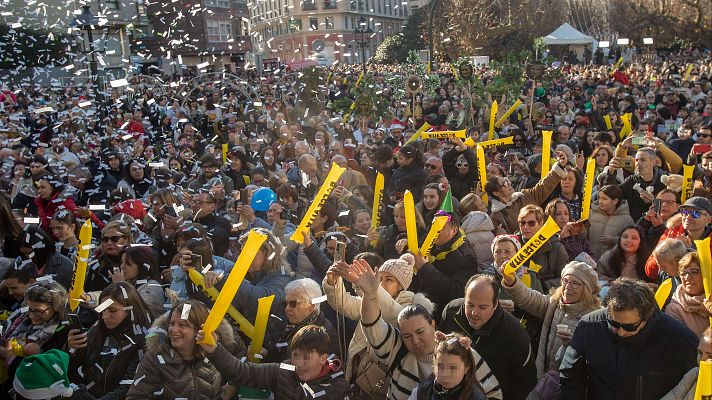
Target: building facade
x=291, y=30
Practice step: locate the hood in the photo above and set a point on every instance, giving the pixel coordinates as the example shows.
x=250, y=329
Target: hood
x=477, y=221
x=674, y=221
x=498, y=206
x=157, y=338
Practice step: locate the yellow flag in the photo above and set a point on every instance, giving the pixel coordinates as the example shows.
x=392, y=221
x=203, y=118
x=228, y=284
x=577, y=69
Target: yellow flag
x=411, y=227
x=627, y=127
x=508, y=113
x=588, y=188
x=703, y=390
x=314, y=208
x=546, y=153
x=663, y=292
x=607, y=120
x=687, y=183
x=542, y=236
x=493, y=116
x=377, y=203
x=264, y=304
x=80, y=268
x=232, y=284
x=703, y=251
x=469, y=142
x=482, y=171
x=437, y=226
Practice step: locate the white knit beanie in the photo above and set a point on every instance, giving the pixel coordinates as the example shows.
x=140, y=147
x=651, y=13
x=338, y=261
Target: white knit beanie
x=401, y=268
x=584, y=272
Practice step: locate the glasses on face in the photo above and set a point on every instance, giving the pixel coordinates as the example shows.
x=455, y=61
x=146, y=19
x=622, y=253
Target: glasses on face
x=38, y=312
x=504, y=183
x=625, y=327
x=704, y=135
x=462, y=165
x=690, y=273
x=292, y=303
x=201, y=202
x=668, y=202
x=431, y=166
x=112, y=239
x=691, y=213
x=531, y=224
x=572, y=284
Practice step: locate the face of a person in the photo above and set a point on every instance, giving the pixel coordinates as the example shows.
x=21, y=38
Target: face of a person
x=113, y=315
x=643, y=164
x=449, y=370
x=129, y=268
x=691, y=278
x=561, y=215
x=308, y=363
x=399, y=218
x=204, y=204
x=418, y=335
x=606, y=204
x=273, y=211
x=39, y=312
x=568, y=183
x=19, y=170
x=403, y=161
x=690, y=223
x=60, y=230
x=630, y=240
x=44, y=189
x=297, y=308
x=505, y=188
x=704, y=136
x=259, y=261
x=430, y=198
x=602, y=159
x=479, y=304
x=16, y=289
x=181, y=333
x=113, y=242
x=631, y=317
x=390, y=283
x=528, y=225
x=573, y=289
x=493, y=171
x=704, y=350
x=668, y=205
x=136, y=171
x=362, y=223
x=504, y=250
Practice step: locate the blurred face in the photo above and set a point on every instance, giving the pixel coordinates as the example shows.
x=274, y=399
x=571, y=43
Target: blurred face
x=399, y=217
x=704, y=136
x=606, y=204
x=493, y=171
x=113, y=242
x=630, y=318
x=433, y=166
x=449, y=370
x=630, y=241
x=418, y=335
x=297, y=307
x=308, y=363
x=44, y=189
x=136, y=171
x=529, y=225
x=561, y=215
x=691, y=277
x=269, y=157
x=573, y=289
x=568, y=183
x=362, y=223
x=273, y=212
x=602, y=159
x=61, y=231
x=129, y=268
x=113, y=315
x=479, y=304
x=505, y=190
x=668, y=205
x=39, y=312
x=704, y=350
x=16, y=289
x=181, y=333
x=390, y=283
x=403, y=161
x=19, y=170
x=209, y=171
x=431, y=198
x=504, y=250
x=258, y=262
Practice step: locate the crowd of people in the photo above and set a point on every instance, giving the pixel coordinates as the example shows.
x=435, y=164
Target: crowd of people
x=612, y=306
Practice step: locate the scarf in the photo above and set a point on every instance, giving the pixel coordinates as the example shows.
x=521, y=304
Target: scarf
x=691, y=304
x=432, y=257
x=24, y=332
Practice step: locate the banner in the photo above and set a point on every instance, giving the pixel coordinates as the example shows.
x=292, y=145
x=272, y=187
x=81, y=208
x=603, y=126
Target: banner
x=703, y=251
x=687, y=182
x=435, y=229
x=462, y=134
x=542, y=236
x=232, y=284
x=469, y=142
x=411, y=227
x=80, y=267
x=509, y=112
x=482, y=172
x=588, y=188
x=377, y=204
x=493, y=116
x=318, y=202
x=546, y=153
x=264, y=304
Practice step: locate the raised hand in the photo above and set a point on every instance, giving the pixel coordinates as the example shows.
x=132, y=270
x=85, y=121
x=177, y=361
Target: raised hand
x=366, y=277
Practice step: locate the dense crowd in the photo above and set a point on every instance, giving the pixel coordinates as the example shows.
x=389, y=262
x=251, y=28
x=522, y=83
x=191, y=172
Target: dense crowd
x=174, y=179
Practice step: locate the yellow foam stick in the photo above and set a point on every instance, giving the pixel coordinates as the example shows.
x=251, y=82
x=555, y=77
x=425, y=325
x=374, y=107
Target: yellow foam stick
x=703, y=251
x=224, y=152
x=17, y=348
x=411, y=228
x=489, y=143
x=462, y=134
x=482, y=171
x=546, y=153
x=493, y=116
x=435, y=229
x=703, y=390
x=419, y=132
x=688, y=72
x=618, y=64
x=509, y=112
x=627, y=127
x=539, y=239
x=199, y=281
x=377, y=204
x=232, y=284
x=264, y=304
x=454, y=72
x=80, y=267
x=360, y=77
x=686, y=182
x=314, y=208
x=607, y=120
x=588, y=187
x=663, y=292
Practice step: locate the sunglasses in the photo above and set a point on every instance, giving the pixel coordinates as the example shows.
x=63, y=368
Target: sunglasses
x=691, y=213
x=112, y=239
x=704, y=135
x=291, y=303
x=531, y=224
x=462, y=165
x=625, y=327
x=431, y=166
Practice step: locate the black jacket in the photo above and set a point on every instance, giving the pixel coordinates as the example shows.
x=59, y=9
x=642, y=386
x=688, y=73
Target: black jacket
x=410, y=178
x=444, y=280
x=218, y=229
x=599, y=365
x=502, y=343
x=461, y=184
x=636, y=205
x=426, y=392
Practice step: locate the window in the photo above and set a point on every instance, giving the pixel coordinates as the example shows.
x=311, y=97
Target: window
x=313, y=23
x=329, y=4
x=218, y=3
x=295, y=25
x=111, y=4
x=309, y=5
x=219, y=30
x=346, y=22
x=353, y=4
x=329, y=22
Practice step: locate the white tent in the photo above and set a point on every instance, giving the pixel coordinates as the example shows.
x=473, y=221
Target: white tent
x=567, y=34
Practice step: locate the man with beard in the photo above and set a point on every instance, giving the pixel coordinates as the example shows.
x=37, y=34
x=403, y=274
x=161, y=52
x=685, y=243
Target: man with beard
x=210, y=168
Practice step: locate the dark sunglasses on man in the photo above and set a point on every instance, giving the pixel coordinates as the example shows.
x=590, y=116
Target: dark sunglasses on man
x=625, y=327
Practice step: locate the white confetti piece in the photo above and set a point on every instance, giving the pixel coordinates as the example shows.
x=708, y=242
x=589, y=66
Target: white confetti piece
x=31, y=220
x=318, y=300
x=202, y=65
x=104, y=305
x=97, y=207
x=186, y=312
x=119, y=83
x=288, y=367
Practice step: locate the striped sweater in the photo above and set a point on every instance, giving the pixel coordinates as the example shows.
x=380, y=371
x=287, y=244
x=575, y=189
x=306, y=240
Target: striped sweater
x=406, y=370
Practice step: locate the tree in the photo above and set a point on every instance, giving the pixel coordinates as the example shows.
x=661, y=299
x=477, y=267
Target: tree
x=395, y=48
x=27, y=48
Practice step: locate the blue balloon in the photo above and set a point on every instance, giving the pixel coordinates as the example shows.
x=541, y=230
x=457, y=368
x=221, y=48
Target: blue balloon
x=262, y=199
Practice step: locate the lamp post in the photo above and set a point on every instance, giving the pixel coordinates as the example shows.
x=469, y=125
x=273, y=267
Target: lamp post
x=86, y=21
x=361, y=32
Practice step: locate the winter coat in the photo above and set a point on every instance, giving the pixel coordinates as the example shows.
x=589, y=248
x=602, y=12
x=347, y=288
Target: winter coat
x=284, y=383
x=606, y=269
x=600, y=365
x=60, y=268
x=689, y=310
x=552, y=313
x=685, y=390
x=411, y=177
x=637, y=206
x=47, y=208
x=218, y=229
x=478, y=228
x=605, y=225
x=460, y=185
x=201, y=180
x=279, y=351
x=503, y=344
x=163, y=373
x=506, y=214
x=674, y=229
x=424, y=391
x=552, y=257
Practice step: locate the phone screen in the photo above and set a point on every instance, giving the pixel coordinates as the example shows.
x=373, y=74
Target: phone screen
x=340, y=253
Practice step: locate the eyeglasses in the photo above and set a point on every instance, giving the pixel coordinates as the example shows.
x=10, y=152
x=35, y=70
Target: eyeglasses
x=691, y=213
x=572, y=284
x=292, y=303
x=625, y=327
x=504, y=183
x=112, y=239
x=431, y=166
x=704, y=135
x=462, y=165
x=668, y=202
x=38, y=312
x=690, y=272
x=201, y=202
x=531, y=224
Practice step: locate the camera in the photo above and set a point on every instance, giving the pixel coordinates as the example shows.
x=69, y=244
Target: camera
x=286, y=214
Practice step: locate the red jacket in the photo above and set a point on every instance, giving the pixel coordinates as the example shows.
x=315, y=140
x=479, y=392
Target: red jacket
x=674, y=229
x=621, y=77
x=47, y=208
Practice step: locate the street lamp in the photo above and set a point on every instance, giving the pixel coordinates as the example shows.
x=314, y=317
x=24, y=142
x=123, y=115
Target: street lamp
x=361, y=32
x=86, y=21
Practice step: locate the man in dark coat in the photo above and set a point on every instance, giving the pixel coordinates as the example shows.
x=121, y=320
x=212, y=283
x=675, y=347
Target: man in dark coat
x=217, y=227
x=496, y=336
x=630, y=350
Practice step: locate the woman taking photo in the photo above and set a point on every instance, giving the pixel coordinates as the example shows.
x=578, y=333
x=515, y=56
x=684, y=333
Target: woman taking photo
x=687, y=302
x=108, y=353
x=608, y=217
x=139, y=268
x=626, y=259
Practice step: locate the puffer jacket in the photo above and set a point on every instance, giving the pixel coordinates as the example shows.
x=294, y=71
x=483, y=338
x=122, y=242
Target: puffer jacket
x=163, y=374
x=552, y=313
x=606, y=225
x=478, y=228
x=685, y=390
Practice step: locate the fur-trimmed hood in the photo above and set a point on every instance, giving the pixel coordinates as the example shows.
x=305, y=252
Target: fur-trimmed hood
x=157, y=339
x=674, y=221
